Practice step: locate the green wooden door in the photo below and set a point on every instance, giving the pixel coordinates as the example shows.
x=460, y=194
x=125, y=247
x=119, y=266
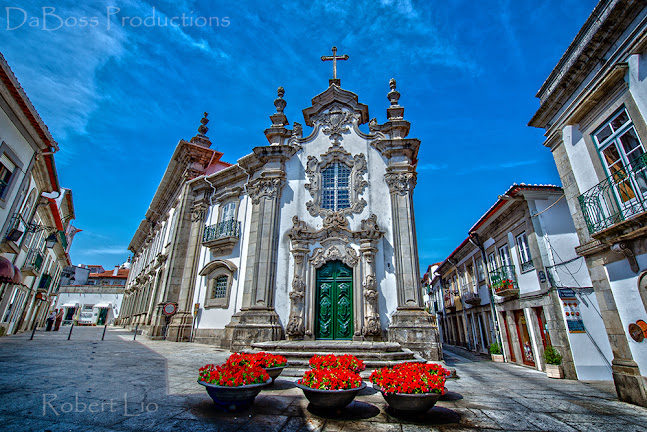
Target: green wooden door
x=334, y=319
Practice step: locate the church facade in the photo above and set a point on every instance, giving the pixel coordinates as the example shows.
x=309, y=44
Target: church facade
x=309, y=237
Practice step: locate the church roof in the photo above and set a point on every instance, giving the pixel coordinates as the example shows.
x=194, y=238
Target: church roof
x=335, y=94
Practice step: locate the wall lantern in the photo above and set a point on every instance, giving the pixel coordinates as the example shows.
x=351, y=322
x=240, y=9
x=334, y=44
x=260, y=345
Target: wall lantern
x=51, y=240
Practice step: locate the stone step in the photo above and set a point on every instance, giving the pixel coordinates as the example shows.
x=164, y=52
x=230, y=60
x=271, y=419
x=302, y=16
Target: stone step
x=375, y=364
x=363, y=355
x=328, y=346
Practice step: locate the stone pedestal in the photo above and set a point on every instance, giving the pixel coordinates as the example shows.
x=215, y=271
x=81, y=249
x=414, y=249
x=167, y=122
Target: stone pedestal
x=252, y=325
x=412, y=328
x=180, y=328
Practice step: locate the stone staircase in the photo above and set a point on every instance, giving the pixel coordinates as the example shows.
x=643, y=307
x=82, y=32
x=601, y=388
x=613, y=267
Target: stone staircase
x=374, y=354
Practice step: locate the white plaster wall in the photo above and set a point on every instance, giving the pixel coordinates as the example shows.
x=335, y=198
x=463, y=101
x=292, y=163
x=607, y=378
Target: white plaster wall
x=92, y=299
x=214, y=317
x=638, y=80
x=624, y=286
x=376, y=194
x=581, y=162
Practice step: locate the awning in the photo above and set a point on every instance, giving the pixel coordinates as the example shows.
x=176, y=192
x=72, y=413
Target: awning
x=6, y=270
x=102, y=305
x=70, y=305
x=17, y=276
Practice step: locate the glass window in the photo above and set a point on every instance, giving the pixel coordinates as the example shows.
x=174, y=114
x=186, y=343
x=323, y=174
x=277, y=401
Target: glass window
x=479, y=269
x=219, y=289
x=504, y=256
x=492, y=262
x=228, y=212
x=524, y=252
x=335, y=190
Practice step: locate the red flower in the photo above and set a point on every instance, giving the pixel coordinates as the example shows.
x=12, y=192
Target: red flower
x=331, y=379
x=262, y=359
x=411, y=378
x=232, y=375
x=331, y=361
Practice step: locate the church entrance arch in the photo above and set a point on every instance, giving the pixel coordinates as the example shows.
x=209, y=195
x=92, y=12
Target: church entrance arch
x=334, y=301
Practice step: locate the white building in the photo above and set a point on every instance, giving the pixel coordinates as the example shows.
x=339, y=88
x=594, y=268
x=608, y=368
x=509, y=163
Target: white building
x=310, y=237
x=593, y=108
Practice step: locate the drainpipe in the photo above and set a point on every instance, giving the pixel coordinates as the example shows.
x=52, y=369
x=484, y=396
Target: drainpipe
x=474, y=239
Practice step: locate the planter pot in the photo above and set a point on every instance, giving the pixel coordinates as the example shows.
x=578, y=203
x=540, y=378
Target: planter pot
x=409, y=403
x=274, y=372
x=554, y=371
x=497, y=358
x=330, y=399
x=232, y=398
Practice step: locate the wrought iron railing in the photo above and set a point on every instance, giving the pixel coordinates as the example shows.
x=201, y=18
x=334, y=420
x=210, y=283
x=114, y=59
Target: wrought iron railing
x=527, y=266
x=230, y=228
x=471, y=297
x=504, y=279
x=621, y=195
x=34, y=260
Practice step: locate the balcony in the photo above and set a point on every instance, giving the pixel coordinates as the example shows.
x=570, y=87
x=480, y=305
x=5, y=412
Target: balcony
x=472, y=298
x=45, y=281
x=504, y=281
x=16, y=231
x=221, y=237
x=33, y=263
x=618, y=201
x=527, y=266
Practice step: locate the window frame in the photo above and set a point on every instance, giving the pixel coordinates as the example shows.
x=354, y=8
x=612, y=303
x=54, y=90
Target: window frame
x=212, y=271
x=13, y=179
x=520, y=253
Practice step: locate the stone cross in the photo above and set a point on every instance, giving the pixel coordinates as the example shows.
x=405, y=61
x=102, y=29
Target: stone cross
x=334, y=57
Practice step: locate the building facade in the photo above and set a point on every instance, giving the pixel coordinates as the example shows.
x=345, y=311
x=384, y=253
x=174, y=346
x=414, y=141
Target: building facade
x=593, y=107
x=520, y=258
x=310, y=237
x=35, y=212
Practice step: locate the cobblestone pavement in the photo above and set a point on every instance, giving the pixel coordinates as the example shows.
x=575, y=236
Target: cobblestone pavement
x=85, y=384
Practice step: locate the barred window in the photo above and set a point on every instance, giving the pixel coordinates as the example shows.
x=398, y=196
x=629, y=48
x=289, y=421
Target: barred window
x=219, y=289
x=335, y=191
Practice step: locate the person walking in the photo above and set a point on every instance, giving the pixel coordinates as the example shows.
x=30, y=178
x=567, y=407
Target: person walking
x=59, y=319
x=50, y=321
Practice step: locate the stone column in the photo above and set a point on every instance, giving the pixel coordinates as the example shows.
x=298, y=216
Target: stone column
x=296, y=328
x=372, y=328
x=257, y=320
x=182, y=323
x=410, y=325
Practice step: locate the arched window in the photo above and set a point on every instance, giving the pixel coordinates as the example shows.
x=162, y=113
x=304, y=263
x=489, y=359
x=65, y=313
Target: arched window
x=335, y=191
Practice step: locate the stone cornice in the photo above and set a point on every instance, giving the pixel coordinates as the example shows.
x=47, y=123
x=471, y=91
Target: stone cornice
x=335, y=94
x=405, y=147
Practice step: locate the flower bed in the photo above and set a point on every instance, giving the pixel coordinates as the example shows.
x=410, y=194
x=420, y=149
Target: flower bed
x=262, y=359
x=411, y=378
x=229, y=375
x=331, y=361
x=331, y=379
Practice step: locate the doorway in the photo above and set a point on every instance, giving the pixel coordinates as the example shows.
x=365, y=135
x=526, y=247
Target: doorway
x=527, y=355
x=334, y=302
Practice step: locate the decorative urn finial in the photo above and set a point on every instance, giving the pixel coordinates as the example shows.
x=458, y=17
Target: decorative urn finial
x=394, y=95
x=203, y=129
x=279, y=102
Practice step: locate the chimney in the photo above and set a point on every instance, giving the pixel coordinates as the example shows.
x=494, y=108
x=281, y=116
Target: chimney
x=115, y=271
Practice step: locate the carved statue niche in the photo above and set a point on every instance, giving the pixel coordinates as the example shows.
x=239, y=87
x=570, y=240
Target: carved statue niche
x=371, y=315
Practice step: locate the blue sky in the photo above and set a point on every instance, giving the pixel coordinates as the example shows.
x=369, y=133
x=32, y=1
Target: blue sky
x=118, y=95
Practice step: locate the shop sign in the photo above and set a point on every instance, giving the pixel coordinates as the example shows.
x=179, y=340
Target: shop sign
x=636, y=332
x=571, y=307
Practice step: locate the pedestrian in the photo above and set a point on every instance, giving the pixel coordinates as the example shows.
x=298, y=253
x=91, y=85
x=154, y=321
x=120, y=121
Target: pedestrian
x=50, y=321
x=59, y=319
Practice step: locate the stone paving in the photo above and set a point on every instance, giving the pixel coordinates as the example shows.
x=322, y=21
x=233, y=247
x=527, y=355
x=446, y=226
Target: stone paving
x=85, y=384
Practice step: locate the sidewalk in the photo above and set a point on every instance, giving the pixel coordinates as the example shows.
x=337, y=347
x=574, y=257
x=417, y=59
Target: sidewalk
x=52, y=384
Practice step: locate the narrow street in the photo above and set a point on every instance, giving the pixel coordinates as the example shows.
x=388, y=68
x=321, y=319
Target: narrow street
x=52, y=384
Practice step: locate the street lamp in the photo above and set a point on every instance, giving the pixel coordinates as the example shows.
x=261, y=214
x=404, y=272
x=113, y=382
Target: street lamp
x=51, y=240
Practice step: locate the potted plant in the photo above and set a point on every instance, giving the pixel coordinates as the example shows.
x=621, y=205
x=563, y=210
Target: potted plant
x=233, y=386
x=272, y=363
x=496, y=353
x=411, y=387
x=331, y=388
x=331, y=361
x=553, y=358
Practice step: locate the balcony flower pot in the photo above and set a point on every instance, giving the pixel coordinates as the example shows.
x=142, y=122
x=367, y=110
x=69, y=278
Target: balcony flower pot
x=330, y=389
x=496, y=353
x=233, y=387
x=331, y=361
x=411, y=387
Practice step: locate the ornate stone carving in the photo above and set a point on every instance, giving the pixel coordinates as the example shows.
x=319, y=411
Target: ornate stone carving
x=335, y=122
x=348, y=256
x=198, y=212
x=401, y=183
x=264, y=188
x=295, y=327
x=314, y=168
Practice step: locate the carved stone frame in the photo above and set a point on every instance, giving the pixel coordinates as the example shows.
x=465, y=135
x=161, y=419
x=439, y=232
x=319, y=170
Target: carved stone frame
x=212, y=271
x=314, y=169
